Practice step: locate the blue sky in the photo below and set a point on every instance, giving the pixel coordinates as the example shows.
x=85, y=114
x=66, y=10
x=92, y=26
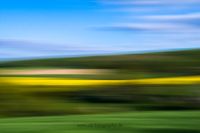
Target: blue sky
x=48, y=28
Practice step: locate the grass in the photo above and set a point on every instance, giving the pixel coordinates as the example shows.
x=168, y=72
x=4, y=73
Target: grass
x=132, y=122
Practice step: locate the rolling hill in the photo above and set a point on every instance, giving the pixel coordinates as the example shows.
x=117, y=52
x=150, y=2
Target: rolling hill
x=184, y=62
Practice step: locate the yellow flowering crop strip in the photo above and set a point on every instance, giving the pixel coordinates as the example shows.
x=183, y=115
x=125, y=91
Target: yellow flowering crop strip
x=184, y=80
x=27, y=81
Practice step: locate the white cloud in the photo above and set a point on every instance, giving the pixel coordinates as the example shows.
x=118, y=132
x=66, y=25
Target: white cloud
x=149, y=2
x=25, y=49
x=142, y=15
x=192, y=16
x=163, y=27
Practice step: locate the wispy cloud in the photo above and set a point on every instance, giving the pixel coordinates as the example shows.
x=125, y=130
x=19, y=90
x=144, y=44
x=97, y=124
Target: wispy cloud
x=149, y=2
x=151, y=27
x=170, y=23
x=191, y=16
x=25, y=49
x=156, y=15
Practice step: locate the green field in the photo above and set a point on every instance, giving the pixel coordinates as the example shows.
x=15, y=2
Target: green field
x=144, y=93
x=23, y=98
x=137, y=122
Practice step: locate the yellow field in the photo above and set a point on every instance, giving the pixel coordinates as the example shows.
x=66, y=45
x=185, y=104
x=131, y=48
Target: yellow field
x=28, y=81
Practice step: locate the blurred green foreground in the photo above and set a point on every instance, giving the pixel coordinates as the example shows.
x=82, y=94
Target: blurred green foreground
x=141, y=122
x=41, y=106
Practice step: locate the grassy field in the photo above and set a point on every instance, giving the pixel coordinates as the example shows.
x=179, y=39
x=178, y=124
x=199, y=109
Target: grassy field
x=136, y=122
x=160, y=91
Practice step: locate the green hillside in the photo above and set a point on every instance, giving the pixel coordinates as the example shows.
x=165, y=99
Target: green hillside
x=175, y=62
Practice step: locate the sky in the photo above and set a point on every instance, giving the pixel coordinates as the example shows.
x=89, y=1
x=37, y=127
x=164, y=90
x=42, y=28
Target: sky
x=52, y=28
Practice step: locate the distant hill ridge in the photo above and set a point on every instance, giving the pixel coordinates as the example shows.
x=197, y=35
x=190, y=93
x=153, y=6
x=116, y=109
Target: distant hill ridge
x=180, y=62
